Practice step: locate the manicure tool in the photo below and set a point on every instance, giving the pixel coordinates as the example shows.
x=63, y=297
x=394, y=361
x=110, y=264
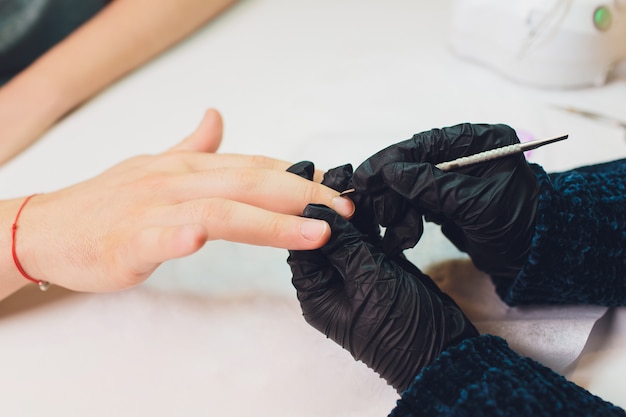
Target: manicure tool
x=489, y=155
x=497, y=153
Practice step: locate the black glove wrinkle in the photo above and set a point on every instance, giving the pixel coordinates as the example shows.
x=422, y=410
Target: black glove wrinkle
x=487, y=210
x=304, y=169
x=338, y=178
x=386, y=313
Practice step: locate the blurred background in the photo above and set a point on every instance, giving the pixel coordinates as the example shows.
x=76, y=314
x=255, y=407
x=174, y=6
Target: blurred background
x=331, y=82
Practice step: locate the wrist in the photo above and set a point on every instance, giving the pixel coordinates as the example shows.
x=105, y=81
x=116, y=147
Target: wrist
x=21, y=244
x=43, y=285
x=10, y=279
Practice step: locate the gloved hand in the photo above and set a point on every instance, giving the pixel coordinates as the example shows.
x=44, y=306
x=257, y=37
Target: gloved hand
x=383, y=310
x=487, y=210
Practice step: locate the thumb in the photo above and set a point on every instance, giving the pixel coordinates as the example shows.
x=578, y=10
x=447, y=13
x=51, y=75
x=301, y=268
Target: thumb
x=208, y=135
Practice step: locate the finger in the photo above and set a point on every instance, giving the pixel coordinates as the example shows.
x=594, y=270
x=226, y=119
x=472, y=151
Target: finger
x=319, y=288
x=199, y=162
x=303, y=169
x=364, y=219
x=278, y=191
x=237, y=222
x=422, y=147
x=470, y=202
x=358, y=262
x=208, y=135
x=373, y=282
x=338, y=178
x=306, y=169
x=458, y=197
x=455, y=235
x=440, y=145
x=404, y=233
x=312, y=275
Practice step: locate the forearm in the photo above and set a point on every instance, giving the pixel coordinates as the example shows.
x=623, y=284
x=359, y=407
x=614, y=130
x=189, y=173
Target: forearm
x=120, y=38
x=483, y=376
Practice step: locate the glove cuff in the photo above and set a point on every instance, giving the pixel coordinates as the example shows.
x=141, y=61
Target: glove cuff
x=483, y=376
x=578, y=251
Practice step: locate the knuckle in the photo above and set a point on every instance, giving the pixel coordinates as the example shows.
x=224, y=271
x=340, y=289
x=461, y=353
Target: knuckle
x=121, y=275
x=219, y=212
x=248, y=180
x=311, y=192
x=262, y=161
x=274, y=227
x=152, y=183
x=270, y=229
x=216, y=209
x=128, y=279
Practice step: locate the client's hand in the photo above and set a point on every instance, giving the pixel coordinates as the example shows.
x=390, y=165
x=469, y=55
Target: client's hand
x=114, y=230
x=383, y=310
x=487, y=210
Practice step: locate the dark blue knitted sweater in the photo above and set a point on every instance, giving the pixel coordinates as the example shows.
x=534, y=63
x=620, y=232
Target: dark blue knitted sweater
x=578, y=252
x=483, y=377
x=578, y=256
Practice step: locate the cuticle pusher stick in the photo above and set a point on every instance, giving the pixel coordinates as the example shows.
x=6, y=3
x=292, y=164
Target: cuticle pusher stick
x=489, y=155
x=497, y=153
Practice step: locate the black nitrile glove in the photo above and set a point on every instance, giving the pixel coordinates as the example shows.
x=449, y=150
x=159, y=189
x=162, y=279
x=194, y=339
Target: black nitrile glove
x=339, y=179
x=384, y=311
x=487, y=210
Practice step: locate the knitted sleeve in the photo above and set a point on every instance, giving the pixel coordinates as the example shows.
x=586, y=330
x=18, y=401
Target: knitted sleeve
x=578, y=251
x=482, y=376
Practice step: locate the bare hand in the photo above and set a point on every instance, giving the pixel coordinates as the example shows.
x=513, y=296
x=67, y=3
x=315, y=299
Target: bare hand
x=112, y=231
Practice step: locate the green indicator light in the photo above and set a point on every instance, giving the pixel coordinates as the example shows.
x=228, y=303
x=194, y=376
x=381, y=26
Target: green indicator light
x=602, y=18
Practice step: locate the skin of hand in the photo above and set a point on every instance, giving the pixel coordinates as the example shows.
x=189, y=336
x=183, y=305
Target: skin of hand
x=487, y=210
x=380, y=308
x=112, y=231
x=123, y=36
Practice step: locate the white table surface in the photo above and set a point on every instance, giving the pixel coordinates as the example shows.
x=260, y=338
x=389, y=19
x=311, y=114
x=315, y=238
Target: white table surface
x=220, y=332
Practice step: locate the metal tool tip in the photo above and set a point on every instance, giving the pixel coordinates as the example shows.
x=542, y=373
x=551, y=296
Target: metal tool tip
x=346, y=192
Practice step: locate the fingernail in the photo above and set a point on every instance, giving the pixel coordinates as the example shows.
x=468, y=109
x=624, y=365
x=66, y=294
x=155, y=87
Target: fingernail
x=313, y=229
x=344, y=206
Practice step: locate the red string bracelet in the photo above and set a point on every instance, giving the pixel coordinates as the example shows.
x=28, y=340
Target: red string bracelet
x=43, y=285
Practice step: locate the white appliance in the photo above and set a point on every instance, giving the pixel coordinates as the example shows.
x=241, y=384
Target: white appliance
x=545, y=43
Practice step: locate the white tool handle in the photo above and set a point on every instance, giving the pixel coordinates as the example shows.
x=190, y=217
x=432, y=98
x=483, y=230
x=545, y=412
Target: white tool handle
x=480, y=157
